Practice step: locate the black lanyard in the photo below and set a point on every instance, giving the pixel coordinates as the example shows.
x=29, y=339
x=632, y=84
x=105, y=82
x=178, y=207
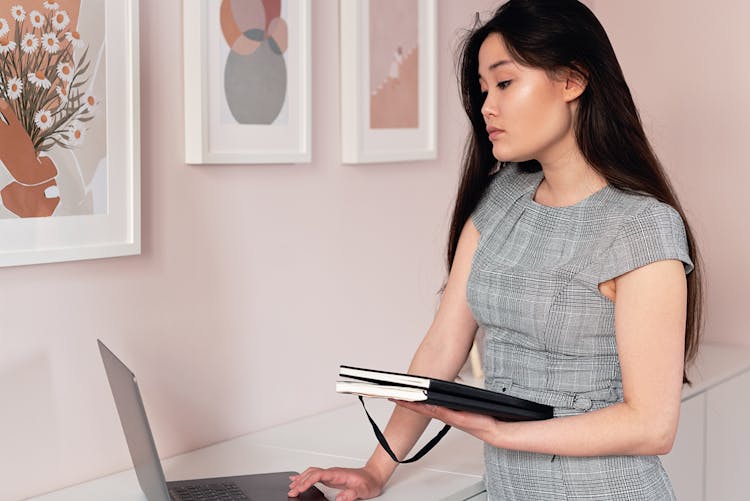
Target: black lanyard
x=384, y=443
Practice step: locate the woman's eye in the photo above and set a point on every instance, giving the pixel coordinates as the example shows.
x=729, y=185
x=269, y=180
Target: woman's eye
x=504, y=84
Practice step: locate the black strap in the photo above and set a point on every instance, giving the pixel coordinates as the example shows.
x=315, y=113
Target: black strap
x=384, y=443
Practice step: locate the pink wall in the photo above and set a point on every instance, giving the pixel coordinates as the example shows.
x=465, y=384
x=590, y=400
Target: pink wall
x=255, y=282
x=686, y=63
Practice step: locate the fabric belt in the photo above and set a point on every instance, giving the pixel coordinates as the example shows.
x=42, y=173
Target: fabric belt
x=559, y=399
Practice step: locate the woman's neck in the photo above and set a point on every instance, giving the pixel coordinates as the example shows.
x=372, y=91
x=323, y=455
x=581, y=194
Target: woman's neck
x=568, y=179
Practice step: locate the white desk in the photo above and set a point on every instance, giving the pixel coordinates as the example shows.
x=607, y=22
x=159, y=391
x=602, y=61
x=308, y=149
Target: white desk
x=453, y=470
x=709, y=460
x=342, y=437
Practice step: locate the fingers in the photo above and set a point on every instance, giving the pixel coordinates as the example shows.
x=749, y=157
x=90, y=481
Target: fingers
x=434, y=411
x=479, y=425
x=300, y=483
x=354, y=483
x=424, y=409
x=428, y=410
x=336, y=478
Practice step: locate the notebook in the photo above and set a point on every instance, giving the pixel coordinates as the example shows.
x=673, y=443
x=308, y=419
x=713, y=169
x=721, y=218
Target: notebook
x=259, y=487
x=412, y=388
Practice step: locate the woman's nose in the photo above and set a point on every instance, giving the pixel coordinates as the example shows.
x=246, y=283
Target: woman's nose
x=489, y=108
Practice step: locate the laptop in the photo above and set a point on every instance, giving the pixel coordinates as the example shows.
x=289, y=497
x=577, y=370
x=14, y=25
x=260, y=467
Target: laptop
x=260, y=487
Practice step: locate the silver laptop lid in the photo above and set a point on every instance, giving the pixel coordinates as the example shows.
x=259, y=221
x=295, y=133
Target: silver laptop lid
x=135, y=426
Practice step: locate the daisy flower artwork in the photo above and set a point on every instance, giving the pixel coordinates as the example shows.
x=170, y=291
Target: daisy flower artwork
x=52, y=112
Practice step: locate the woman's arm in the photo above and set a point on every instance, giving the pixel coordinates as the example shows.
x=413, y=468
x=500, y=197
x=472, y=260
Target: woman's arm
x=650, y=310
x=441, y=354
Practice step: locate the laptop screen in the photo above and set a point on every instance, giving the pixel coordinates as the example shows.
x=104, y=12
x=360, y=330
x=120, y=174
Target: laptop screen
x=135, y=425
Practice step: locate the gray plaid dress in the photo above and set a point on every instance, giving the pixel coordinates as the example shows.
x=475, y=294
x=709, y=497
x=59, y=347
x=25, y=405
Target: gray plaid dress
x=549, y=332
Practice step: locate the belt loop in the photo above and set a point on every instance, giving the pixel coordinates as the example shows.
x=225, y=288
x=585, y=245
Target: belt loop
x=582, y=403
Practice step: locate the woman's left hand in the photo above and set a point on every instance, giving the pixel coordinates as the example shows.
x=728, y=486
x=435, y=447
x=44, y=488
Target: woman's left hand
x=479, y=425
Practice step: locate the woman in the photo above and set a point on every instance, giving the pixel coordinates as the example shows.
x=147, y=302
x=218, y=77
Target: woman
x=569, y=247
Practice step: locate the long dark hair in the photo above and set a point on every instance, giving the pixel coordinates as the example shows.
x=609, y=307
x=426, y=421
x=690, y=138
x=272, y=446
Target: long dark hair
x=564, y=34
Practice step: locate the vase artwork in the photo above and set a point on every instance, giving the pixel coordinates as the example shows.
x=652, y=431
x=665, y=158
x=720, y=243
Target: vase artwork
x=50, y=110
x=394, y=64
x=255, y=72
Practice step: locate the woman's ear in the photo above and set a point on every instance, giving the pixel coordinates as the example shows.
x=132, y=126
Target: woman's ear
x=575, y=81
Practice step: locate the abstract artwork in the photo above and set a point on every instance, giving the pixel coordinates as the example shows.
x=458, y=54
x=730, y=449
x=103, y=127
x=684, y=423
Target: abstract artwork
x=388, y=80
x=255, y=77
x=394, y=64
x=247, y=99
x=66, y=191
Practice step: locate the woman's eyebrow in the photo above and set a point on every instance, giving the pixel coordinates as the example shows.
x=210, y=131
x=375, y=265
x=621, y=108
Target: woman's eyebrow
x=496, y=64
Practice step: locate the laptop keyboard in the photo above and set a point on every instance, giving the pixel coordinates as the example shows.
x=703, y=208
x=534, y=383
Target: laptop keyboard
x=208, y=492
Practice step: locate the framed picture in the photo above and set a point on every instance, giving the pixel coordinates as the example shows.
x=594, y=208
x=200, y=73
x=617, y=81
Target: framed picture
x=388, y=80
x=247, y=81
x=69, y=130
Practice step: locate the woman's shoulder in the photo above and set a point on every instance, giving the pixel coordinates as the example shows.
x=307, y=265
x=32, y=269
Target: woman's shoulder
x=645, y=230
x=638, y=208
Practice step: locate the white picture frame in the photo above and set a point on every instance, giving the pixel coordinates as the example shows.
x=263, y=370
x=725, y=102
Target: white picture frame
x=360, y=142
x=213, y=132
x=115, y=231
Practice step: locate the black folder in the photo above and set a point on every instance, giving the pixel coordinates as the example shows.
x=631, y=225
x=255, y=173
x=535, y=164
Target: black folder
x=457, y=396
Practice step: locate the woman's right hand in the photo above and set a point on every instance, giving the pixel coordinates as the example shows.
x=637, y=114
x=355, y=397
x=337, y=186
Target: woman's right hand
x=355, y=483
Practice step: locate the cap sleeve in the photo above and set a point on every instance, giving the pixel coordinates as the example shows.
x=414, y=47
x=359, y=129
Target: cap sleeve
x=654, y=234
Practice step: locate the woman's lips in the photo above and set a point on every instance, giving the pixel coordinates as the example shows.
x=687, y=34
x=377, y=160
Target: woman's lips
x=494, y=132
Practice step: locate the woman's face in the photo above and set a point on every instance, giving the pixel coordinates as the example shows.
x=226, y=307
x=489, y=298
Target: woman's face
x=528, y=114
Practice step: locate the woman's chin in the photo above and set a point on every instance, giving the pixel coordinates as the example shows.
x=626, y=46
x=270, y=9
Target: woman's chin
x=501, y=155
